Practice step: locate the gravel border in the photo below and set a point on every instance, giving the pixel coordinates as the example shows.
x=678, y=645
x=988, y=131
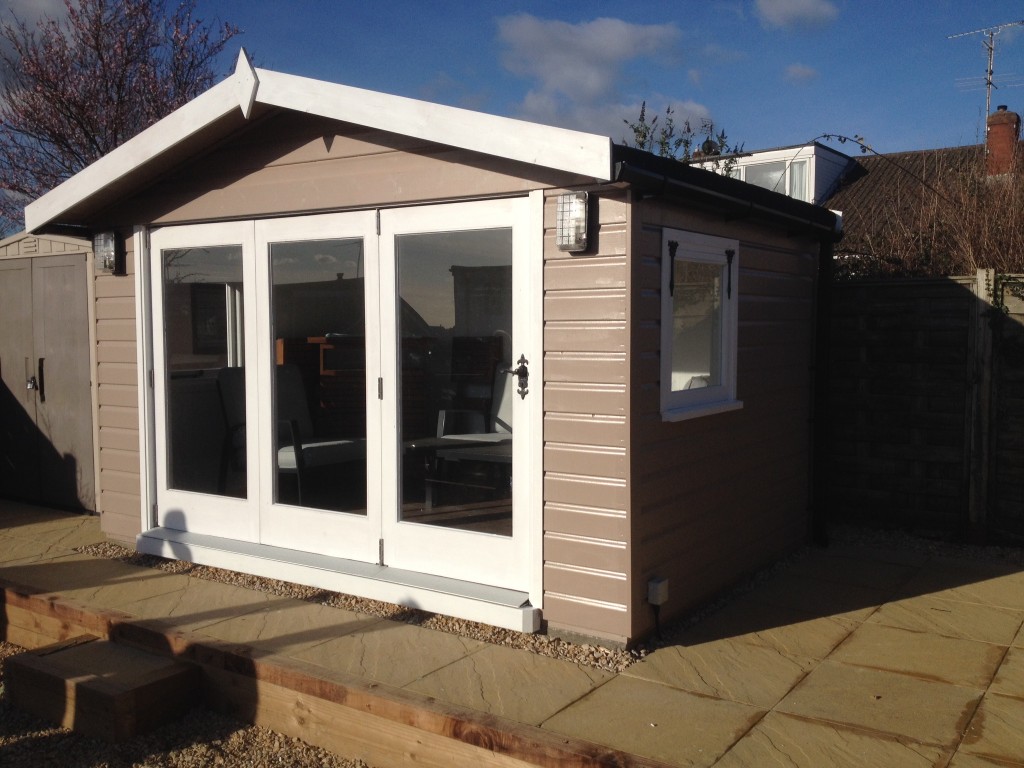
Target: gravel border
x=591, y=655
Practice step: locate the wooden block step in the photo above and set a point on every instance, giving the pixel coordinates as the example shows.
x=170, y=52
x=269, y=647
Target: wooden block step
x=100, y=688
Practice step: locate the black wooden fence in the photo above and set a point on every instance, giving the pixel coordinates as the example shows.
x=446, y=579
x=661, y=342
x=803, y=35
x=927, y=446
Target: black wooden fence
x=924, y=425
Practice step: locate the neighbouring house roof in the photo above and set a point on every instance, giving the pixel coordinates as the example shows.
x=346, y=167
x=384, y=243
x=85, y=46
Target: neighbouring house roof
x=878, y=190
x=227, y=107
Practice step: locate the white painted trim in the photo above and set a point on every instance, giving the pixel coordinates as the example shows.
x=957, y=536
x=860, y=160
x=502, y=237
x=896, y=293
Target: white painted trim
x=573, y=151
x=535, y=311
x=160, y=137
x=144, y=358
x=546, y=146
x=472, y=601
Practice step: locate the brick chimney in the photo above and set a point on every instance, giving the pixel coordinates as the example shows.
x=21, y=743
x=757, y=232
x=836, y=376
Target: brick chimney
x=1001, y=142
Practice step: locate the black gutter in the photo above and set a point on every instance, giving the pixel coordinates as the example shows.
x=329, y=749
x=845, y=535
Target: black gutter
x=711, y=191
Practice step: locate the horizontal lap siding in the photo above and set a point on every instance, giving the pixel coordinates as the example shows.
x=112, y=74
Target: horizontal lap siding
x=715, y=497
x=295, y=164
x=119, y=459
x=586, y=374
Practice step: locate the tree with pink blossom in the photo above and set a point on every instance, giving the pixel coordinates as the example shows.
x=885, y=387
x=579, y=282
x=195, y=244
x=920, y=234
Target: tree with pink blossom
x=75, y=87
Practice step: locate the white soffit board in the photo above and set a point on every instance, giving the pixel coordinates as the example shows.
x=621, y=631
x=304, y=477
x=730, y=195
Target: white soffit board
x=575, y=152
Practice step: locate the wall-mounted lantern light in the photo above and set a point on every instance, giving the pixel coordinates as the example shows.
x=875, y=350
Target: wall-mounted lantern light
x=109, y=252
x=571, y=228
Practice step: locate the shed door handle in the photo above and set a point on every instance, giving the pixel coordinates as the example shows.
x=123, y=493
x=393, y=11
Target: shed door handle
x=42, y=381
x=523, y=374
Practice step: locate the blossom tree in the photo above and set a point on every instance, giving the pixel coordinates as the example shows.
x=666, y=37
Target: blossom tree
x=74, y=88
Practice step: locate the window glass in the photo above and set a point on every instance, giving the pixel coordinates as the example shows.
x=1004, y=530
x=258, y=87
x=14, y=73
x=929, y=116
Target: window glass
x=798, y=180
x=768, y=175
x=697, y=325
x=202, y=296
x=700, y=297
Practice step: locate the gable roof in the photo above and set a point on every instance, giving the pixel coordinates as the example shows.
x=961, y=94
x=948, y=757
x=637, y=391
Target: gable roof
x=220, y=110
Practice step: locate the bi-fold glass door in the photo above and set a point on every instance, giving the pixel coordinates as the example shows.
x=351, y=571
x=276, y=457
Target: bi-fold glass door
x=323, y=388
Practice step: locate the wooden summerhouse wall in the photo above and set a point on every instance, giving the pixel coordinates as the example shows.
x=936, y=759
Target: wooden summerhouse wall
x=715, y=497
x=587, y=579
x=283, y=164
x=119, y=493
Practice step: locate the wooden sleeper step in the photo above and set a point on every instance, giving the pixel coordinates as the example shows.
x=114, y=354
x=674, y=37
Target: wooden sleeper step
x=100, y=688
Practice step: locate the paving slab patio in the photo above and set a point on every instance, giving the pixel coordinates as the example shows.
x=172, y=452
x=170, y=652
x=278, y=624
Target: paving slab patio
x=851, y=656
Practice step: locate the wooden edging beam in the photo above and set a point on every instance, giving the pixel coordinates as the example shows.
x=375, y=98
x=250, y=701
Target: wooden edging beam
x=342, y=713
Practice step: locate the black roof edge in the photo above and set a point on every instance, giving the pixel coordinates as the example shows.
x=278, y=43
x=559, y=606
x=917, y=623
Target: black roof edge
x=711, y=191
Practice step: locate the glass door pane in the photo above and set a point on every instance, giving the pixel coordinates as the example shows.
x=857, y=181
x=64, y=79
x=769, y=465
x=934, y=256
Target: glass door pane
x=319, y=405
x=204, y=369
x=455, y=392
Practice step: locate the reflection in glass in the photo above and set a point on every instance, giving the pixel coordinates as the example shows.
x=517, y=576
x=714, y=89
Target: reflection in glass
x=204, y=354
x=697, y=325
x=455, y=322
x=319, y=374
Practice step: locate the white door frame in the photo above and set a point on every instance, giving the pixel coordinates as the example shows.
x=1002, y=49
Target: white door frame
x=526, y=216
x=502, y=561
x=203, y=513
x=336, y=534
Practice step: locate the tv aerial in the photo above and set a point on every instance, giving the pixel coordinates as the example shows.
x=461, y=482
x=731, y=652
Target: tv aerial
x=990, y=45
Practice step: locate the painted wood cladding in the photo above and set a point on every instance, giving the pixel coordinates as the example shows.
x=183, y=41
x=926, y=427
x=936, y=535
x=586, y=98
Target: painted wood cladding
x=717, y=496
x=586, y=428
x=116, y=376
x=316, y=165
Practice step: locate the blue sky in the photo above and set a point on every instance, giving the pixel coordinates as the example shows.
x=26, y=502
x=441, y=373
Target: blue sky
x=770, y=72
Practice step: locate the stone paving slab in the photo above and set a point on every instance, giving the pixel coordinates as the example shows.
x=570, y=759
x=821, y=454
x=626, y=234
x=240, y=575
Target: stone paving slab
x=852, y=656
x=511, y=683
x=889, y=703
x=863, y=570
x=951, y=618
x=787, y=630
x=994, y=584
x=391, y=652
x=927, y=656
x=997, y=730
x=656, y=721
x=286, y=626
x=1009, y=680
x=784, y=740
x=819, y=598
x=725, y=669
x=965, y=760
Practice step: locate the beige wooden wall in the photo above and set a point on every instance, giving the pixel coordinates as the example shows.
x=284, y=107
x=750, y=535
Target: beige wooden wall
x=119, y=497
x=715, y=497
x=586, y=426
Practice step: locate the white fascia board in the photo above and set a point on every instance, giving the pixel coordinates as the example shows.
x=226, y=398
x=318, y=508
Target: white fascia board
x=580, y=153
x=235, y=92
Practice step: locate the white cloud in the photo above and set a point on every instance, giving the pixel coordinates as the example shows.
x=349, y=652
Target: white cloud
x=578, y=69
x=800, y=73
x=796, y=13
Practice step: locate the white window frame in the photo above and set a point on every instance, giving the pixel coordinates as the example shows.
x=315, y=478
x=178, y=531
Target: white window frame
x=706, y=249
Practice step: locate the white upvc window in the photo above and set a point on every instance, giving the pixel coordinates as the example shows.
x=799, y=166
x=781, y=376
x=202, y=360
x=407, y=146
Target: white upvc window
x=700, y=297
x=788, y=177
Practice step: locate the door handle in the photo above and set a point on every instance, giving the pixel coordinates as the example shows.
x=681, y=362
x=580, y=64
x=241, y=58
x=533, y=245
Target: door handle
x=522, y=373
x=31, y=383
x=42, y=381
